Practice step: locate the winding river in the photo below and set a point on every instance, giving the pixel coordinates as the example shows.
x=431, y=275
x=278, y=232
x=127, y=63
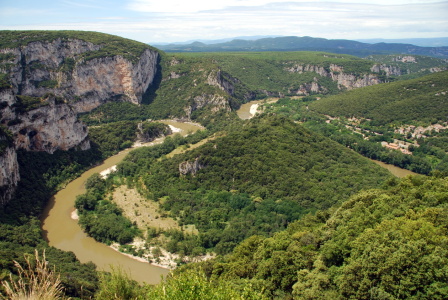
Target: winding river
x=249, y=109
x=62, y=232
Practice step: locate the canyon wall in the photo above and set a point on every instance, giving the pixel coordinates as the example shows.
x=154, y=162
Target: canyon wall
x=49, y=83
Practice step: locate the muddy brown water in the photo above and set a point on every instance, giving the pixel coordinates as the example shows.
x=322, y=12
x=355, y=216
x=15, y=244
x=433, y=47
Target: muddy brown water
x=62, y=232
x=396, y=171
x=244, y=113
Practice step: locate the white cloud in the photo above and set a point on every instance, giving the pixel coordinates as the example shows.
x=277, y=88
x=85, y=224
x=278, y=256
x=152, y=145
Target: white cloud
x=173, y=20
x=190, y=6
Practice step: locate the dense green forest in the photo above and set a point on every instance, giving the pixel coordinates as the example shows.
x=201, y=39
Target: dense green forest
x=282, y=200
x=110, y=138
x=405, y=102
x=387, y=243
x=41, y=175
x=250, y=181
x=392, y=112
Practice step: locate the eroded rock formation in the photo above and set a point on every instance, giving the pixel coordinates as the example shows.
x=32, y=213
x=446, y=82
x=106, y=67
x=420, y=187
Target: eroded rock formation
x=49, y=83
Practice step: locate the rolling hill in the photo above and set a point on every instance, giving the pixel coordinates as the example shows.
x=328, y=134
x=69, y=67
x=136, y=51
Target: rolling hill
x=421, y=99
x=294, y=43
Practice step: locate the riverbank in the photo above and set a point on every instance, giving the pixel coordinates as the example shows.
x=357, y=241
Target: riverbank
x=63, y=232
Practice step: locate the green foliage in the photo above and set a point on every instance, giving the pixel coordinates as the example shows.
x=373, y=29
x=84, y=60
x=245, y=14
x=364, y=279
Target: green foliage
x=111, y=138
x=253, y=180
x=410, y=261
x=118, y=285
x=100, y=218
x=27, y=103
x=193, y=284
x=114, y=112
x=152, y=130
x=6, y=139
x=20, y=232
x=110, y=45
x=386, y=243
x=422, y=99
x=267, y=71
x=79, y=280
x=4, y=81
x=49, y=84
x=185, y=79
x=425, y=159
x=419, y=64
x=41, y=175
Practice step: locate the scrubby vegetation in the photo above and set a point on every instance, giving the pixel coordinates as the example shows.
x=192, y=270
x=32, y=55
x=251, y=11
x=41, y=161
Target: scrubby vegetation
x=418, y=100
x=288, y=212
x=110, y=45
x=114, y=112
x=250, y=181
x=113, y=137
x=382, y=243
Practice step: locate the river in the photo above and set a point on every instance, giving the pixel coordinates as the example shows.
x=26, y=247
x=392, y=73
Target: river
x=64, y=233
x=396, y=171
x=249, y=109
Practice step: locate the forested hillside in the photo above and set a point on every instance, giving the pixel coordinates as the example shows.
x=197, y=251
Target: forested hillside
x=280, y=206
x=418, y=100
x=306, y=43
x=386, y=243
x=253, y=180
x=409, y=115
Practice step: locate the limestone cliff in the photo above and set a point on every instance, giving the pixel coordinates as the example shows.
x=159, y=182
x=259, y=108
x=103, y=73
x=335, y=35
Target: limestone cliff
x=214, y=100
x=344, y=80
x=50, y=81
x=9, y=167
x=192, y=168
x=59, y=67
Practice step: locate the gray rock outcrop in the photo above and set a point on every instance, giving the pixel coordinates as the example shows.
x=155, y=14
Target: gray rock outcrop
x=192, y=168
x=61, y=83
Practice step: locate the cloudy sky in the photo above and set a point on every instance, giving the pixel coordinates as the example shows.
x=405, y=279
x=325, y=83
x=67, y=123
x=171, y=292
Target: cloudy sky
x=156, y=21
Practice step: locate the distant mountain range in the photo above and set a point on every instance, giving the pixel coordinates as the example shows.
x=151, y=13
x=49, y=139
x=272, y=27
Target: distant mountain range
x=422, y=42
x=294, y=43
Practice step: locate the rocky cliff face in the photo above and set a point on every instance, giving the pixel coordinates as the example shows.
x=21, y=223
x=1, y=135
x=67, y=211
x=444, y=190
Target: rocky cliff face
x=192, y=168
x=336, y=73
x=50, y=82
x=387, y=69
x=9, y=174
x=59, y=68
x=214, y=101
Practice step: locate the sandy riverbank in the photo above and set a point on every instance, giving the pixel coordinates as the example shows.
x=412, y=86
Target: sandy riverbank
x=253, y=109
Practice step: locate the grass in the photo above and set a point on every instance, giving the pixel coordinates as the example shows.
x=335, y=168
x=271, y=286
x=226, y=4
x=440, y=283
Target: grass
x=36, y=281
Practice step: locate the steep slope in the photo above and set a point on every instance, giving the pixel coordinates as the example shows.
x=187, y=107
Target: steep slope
x=399, y=102
x=386, y=243
x=85, y=68
x=47, y=77
x=253, y=180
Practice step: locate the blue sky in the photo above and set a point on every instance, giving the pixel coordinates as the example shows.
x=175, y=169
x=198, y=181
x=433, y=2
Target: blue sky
x=156, y=21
